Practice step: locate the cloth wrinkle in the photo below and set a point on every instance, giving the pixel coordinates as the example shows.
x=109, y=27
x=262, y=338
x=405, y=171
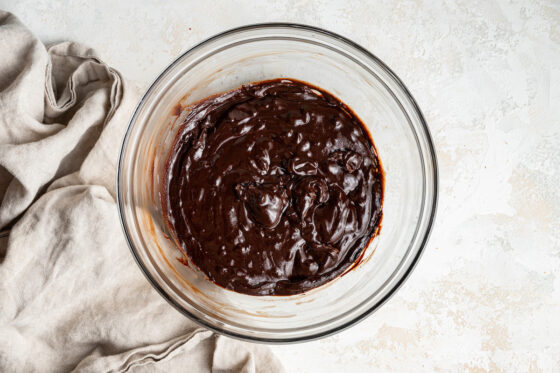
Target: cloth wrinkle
x=71, y=296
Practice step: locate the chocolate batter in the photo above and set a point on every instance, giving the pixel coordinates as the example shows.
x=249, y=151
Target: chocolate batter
x=273, y=188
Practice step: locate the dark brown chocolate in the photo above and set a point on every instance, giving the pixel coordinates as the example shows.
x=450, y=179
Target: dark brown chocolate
x=273, y=188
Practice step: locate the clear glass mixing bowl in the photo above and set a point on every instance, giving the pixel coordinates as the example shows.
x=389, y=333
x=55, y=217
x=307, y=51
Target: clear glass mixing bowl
x=359, y=79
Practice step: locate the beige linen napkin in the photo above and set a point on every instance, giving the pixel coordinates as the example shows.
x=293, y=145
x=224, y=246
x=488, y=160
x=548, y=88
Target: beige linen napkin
x=71, y=296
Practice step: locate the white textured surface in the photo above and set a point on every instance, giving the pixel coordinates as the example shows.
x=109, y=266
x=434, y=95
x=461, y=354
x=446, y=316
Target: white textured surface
x=486, y=294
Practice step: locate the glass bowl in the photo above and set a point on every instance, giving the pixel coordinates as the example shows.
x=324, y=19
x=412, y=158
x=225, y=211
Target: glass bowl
x=359, y=79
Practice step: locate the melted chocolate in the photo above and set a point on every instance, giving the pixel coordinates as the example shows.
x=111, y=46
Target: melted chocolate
x=273, y=188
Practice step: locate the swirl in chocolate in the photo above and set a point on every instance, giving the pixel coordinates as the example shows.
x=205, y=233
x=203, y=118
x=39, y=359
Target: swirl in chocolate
x=273, y=188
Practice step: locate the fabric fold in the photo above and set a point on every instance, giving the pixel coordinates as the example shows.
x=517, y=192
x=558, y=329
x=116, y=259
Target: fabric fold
x=71, y=296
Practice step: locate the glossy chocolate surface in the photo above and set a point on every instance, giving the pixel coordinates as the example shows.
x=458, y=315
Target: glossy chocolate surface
x=273, y=188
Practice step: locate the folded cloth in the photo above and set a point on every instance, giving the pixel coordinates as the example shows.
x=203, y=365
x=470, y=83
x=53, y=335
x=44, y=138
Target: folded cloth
x=71, y=296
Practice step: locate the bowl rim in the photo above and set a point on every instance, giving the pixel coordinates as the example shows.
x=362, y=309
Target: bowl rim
x=423, y=241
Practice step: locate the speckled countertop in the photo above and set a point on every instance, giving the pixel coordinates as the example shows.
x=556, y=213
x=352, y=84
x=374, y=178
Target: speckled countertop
x=486, y=294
